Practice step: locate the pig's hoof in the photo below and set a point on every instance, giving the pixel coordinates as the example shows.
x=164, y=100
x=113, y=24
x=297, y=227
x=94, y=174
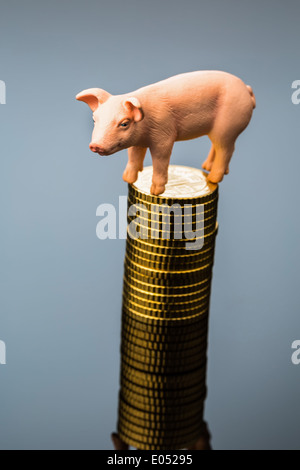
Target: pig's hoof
x=130, y=176
x=207, y=166
x=156, y=189
x=118, y=443
x=215, y=176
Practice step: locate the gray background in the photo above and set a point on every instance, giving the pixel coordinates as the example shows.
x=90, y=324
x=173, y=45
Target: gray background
x=61, y=286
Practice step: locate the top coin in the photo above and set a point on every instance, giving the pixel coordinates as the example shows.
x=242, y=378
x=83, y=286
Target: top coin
x=183, y=182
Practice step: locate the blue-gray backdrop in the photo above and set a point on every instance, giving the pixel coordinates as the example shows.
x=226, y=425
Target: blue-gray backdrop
x=61, y=285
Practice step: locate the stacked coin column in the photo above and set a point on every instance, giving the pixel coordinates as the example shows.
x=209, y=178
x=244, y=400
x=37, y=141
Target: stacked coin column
x=166, y=294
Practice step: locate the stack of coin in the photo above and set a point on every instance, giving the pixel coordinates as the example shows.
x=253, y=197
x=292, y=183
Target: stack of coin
x=166, y=292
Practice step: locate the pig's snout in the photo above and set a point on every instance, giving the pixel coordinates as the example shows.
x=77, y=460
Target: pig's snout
x=97, y=148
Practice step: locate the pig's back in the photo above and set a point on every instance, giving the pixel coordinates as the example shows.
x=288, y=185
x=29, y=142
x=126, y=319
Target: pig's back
x=192, y=87
x=190, y=100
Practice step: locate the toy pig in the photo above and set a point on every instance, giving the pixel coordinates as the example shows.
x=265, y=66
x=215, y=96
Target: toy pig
x=183, y=107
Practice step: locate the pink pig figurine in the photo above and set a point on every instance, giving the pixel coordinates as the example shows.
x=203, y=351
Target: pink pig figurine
x=183, y=107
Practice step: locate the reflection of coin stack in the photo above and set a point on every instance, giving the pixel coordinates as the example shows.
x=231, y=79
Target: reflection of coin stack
x=165, y=311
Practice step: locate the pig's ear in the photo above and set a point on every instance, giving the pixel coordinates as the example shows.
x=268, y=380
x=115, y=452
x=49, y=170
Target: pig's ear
x=134, y=106
x=93, y=97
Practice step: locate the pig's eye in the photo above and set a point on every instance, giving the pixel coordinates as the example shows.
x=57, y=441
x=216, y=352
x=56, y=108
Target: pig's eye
x=124, y=124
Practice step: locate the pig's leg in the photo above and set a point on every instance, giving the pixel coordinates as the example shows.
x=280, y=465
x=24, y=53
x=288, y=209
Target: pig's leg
x=210, y=159
x=136, y=157
x=220, y=166
x=160, y=160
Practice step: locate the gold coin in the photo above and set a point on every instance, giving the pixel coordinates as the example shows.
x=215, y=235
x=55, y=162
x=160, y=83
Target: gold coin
x=164, y=432
x=162, y=295
x=149, y=316
x=142, y=378
x=150, y=446
x=166, y=446
x=186, y=219
x=173, y=247
x=138, y=231
x=158, y=404
x=169, y=340
x=180, y=224
x=158, y=366
x=164, y=309
x=137, y=438
x=157, y=253
x=167, y=214
x=199, y=227
x=171, y=283
x=169, y=413
x=164, y=325
x=163, y=287
x=166, y=342
x=169, y=391
x=137, y=378
x=163, y=414
x=164, y=395
x=168, y=357
x=162, y=425
x=176, y=216
x=160, y=418
x=168, y=264
x=153, y=201
x=144, y=237
x=135, y=300
x=162, y=353
x=172, y=206
x=183, y=366
x=183, y=183
x=149, y=271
